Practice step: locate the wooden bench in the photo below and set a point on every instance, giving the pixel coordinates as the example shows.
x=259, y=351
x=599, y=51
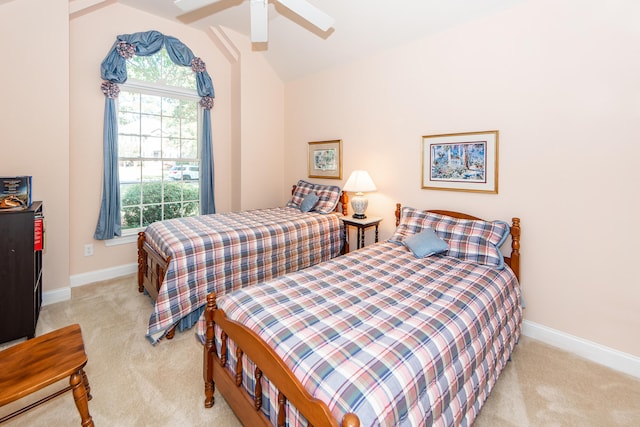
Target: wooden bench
x=39, y=362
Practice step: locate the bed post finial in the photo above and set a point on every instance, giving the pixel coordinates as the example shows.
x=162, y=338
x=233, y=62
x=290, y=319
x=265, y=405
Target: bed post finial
x=398, y=211
x=344, y=202
x=350, y=420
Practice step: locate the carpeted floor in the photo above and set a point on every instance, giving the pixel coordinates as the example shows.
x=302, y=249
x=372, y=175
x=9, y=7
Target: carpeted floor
x=136, y=384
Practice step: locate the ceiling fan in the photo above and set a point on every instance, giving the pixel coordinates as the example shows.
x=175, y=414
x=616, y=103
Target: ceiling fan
x=259, y=16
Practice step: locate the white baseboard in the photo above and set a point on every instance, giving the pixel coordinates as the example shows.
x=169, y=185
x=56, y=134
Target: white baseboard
x=57, y=295
x=64, y=294
x=100, y=275
x=590, y=350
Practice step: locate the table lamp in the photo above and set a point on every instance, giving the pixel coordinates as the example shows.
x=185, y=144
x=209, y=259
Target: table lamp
x=359, y=182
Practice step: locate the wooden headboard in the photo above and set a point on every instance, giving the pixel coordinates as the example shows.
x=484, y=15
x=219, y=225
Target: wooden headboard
x=513, y=260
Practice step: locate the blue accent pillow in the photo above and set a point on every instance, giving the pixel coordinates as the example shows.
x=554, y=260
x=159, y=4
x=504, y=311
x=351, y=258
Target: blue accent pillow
x=309, y=202
x=426, y=243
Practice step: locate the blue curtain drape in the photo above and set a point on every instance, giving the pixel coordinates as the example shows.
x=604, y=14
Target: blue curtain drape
x=113, y=71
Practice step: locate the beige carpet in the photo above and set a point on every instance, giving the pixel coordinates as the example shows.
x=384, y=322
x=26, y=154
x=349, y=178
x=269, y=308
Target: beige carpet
x=136, y=384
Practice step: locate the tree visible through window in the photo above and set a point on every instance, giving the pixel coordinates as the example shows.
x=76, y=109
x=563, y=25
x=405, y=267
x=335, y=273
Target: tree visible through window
x=158, y=125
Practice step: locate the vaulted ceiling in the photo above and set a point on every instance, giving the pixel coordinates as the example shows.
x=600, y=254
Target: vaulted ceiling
x=296, y=48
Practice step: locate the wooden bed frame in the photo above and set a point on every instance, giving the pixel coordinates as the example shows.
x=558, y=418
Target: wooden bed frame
x=269, y=364
x=152, y=266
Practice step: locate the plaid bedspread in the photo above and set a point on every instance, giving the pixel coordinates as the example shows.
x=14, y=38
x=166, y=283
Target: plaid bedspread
x=395, y=339
x=224, y=252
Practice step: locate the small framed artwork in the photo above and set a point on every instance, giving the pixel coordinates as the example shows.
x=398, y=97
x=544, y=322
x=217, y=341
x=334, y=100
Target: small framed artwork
x=461, y=162
x=325, y=159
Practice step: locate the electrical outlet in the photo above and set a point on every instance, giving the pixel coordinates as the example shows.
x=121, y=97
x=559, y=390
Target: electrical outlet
x=88, y=249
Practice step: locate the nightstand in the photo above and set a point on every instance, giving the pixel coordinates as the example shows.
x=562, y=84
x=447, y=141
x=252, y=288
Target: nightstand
x=361, y=225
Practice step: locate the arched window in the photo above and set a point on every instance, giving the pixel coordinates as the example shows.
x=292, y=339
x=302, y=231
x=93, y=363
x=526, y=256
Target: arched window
x=157, y=134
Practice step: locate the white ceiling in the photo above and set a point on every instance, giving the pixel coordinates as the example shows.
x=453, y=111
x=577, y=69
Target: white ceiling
x=296, y=48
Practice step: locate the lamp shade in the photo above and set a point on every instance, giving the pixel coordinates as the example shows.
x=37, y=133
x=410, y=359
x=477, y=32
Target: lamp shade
x=359, y=182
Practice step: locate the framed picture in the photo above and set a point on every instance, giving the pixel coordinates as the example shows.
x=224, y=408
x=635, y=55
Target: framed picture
x=461, y=162
x=325, y=159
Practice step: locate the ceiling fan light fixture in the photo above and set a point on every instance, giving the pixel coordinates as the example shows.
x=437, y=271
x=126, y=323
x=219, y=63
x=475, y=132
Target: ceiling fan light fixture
x=259, y=21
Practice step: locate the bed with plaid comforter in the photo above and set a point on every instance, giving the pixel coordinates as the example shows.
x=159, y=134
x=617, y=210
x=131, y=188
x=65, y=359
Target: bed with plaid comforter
x=224, y=252
x=395, y=339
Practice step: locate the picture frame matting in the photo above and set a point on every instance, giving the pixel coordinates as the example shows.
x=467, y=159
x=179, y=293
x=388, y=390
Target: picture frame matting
x=325, y=159
x=461, y=162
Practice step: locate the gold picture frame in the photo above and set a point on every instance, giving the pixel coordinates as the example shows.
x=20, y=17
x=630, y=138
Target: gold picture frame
x=461, y=162
x=325, y=159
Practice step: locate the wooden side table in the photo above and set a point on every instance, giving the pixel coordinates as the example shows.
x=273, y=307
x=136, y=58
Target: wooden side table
x=361, y=225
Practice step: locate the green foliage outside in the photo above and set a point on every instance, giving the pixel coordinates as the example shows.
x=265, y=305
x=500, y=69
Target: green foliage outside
x=179, y=199
x=159, y=68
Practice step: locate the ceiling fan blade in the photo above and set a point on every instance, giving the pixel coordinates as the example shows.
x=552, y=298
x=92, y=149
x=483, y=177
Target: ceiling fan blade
x=309, y=12
x=189, y=5
x=259, y=21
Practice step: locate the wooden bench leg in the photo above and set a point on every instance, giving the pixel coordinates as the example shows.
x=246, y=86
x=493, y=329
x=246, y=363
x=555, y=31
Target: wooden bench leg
x=86, y=384
x=79, y=389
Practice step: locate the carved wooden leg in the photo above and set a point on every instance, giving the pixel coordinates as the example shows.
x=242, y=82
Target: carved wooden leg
x=142, y=262
x=209, y=389
x=171, y=332
x=80, y=397
x=209, y=351
x=209, y=385
x=87, y=387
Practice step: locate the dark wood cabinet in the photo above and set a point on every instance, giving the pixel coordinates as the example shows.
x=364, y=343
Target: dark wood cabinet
x=20, y=272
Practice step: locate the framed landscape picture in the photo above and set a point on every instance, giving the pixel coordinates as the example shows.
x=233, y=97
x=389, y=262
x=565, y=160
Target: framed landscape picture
x=325, y=159
x=461, y=162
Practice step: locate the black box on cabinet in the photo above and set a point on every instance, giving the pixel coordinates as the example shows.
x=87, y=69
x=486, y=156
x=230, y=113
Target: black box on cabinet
x=14, y=190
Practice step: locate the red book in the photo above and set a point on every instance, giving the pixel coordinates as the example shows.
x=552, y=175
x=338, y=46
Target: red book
x=38, y=234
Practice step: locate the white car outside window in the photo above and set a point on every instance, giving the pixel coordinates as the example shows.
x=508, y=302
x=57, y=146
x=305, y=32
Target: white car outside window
x=185, y=172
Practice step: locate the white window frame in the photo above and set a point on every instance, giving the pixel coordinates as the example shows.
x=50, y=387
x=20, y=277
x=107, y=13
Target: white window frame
x=151, y=88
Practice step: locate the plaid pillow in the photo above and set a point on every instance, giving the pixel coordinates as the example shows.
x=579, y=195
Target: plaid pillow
x=470, y=240
x=328, y=196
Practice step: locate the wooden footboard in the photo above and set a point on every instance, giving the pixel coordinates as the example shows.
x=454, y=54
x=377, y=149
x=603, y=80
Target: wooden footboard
x=151, y=268
x=267, y=363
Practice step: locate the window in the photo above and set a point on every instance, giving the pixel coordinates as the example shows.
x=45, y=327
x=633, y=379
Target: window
x=158, y=156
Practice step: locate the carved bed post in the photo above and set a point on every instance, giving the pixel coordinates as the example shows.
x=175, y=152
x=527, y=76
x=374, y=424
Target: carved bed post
x=515, y=247
x=210, y=348
x=142, y=262
x=398, y=212
x=344, y=202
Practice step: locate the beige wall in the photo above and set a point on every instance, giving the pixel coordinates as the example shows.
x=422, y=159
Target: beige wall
x=34, y=116
x=261, y=128
x=559, y=80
